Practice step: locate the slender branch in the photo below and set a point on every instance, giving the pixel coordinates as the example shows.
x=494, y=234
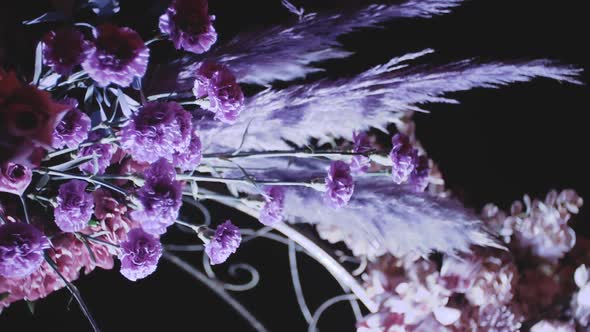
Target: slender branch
x=84, y=178
x=316, y=252
x=318, y=313
x=75, y=293
x=25, y=210
x=297, y=283
x=204, y=178
x=296, y=154
x=218, y=289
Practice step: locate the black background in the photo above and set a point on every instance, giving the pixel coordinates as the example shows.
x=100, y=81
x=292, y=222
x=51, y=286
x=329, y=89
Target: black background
x=493, y=147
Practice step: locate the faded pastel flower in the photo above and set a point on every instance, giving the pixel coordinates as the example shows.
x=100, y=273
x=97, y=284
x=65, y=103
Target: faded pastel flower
x=27, y=119
x=216, y=82
x=189, y=25
x=272, y=211
x=158, y=130
x=74, y=206
x=339, y=184
x=14, y=178
x=73, y=128
x=404, y=158
x=553, y=326
x=160, y=198
x=419, y=177
x=362, y=144
x=98, y=165
x=63, y=49
x=225, y=242
x=116, y=55
x=190, y=158
x=580, y=302
x=140, y=254
x=21, y=249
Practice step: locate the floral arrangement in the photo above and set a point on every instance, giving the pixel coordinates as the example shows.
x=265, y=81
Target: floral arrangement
x=105, y=149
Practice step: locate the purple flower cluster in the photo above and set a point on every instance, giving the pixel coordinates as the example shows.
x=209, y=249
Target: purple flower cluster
x=116, y=55
x=362, y=144
x=103, y=154
x=339, y=184
x=72, y=129
x=140, y=254
x=14, y=178
x=189, y=25
x=74, y=206
x=272, y=211
x=64, y=49
x=162, y=130
x=408, y=167
x=21, y=249
x=160, y=198
x=226, y=98
x=225, y=242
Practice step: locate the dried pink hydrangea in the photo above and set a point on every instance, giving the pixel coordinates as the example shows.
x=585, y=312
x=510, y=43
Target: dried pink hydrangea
x=580, y=302
x=189, y=25
x=553, y=326
x=116, y=55
x=339, y=184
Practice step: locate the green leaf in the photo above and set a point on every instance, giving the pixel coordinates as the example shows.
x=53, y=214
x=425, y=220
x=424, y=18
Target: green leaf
x=38, y=63
x=4, y=295
x=31, y=306
x=93, y=222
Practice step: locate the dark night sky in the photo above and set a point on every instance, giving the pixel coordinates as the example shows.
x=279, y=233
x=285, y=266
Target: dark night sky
x=493, y=147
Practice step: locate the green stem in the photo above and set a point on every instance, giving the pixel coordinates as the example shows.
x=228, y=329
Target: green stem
x=84, y=178
x=275, y=154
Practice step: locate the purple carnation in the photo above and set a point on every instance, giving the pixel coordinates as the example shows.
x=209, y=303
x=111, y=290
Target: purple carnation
x=103, y=152
x=72, y=129
x=160, y=198
x=21, y=249
x=157, y=130
x=362, y=144
x=272, y=211
x=216, y=82
x=140, y=254
x=339, y=184
x=404, y=158
x=74, y=206
x=117, y=55
x=64, y=49
x=190, y=158
x=14, y=178
x=419, y=177
x=225, y=242
x=189, y=25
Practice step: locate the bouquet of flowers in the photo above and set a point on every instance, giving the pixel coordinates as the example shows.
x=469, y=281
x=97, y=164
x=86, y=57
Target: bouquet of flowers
x=106, y=147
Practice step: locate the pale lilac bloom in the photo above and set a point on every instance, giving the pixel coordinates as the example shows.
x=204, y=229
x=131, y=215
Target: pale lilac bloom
x=14, y=178
x=339, y=184
x=553, y=326
x=73, y=128
x=362, y=144
x=404, y=158
x=116, y=55
x=159, y=130
x=21, y=249
x=140, y=254
x=74, y=206
x=189, y=25
x=225, y=242
x=63, y=49
x=160, y=198
x=226, y=98
x=580, y=302
x=272, y=210
x=190, y=158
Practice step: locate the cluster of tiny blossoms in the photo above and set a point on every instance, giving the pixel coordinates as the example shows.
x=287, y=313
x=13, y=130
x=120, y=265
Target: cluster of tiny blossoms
x=492, y=290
